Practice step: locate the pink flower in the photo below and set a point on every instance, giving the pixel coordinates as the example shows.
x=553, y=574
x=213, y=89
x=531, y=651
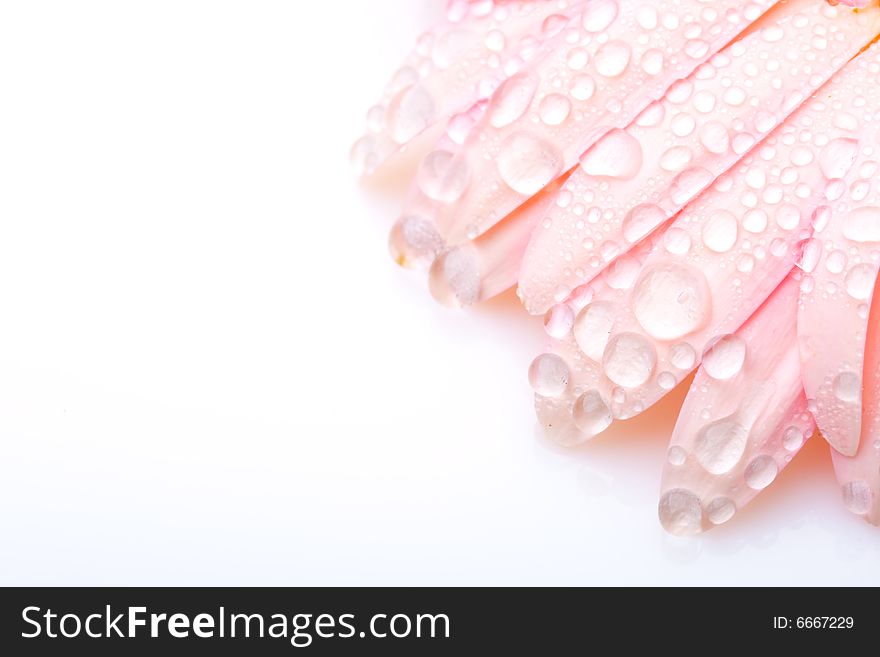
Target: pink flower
x=672, y=192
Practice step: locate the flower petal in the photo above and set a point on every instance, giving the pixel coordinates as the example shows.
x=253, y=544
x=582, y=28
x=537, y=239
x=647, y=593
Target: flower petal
x=460, y=62
x=634, y=180
x=734, y=435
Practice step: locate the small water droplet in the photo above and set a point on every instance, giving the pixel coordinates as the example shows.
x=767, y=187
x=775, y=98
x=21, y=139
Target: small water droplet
x=688, y=184
x=599, y=14
x=617, y=155
x=512, y=99
x=838, y=157
x=443, y=177
x=683, y=356
x=848, y=387
x=554, y=109
x=527, y=163
x=591, y=414
x=613, y=58
x=720, y=231
x=641, y=221
x=792, y=439
x=720, y=445
x=761, y=472
x=676, y=455
x=858, y=497
x=720, y=510
x=862, y=224
x=558, y=321
x=860, y=281
x=681, y=512
x=593, y=327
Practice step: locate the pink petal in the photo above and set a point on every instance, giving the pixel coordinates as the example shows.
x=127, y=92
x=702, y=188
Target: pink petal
x=460, y=62
x=844, y=256
x=633, y=180
x=588, y=78
x=733, y=436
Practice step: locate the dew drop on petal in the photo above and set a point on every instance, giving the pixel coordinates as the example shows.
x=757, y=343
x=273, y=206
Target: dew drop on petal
x=683, y=356
x=720, y=445
x=629, y=359
x=725, y=357
x=760, y=472
x=641, y=221
x=591, y=414
x=593, y=327
x=549, y=375
x=847, y=387
x=672, y=300
x=582, y=88
x=599, y=14
x=688, y=184
x=720, y=231
x=681, y=513
x=558, y=321
x=860, y=281
x=862, y=224
x=838, y=157
x=554, y=109
x=675, y=455
x=443, y=177
x=720, y=510
x=613, y=58
x=715, y=138
x=527, y=163
x=409, y=113
x=617, y=155
x=512, y=99
x=857, y=496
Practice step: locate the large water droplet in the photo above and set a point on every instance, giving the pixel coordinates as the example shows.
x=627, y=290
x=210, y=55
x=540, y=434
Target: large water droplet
x=613, y=58
x=411, y=111
x=617, y=155
x=838, y=157
x=676, y=455
x=860, y=281
x=591, y=414
x=549, y=375
x=554, y=109
x=599, y=14
x=688, y=184
x=725, y=357
x=443, y=177
x=414, y=242
x=527, y=163
x=720, y=445
x=761, y=472
x=680, y=512
x=862, y=224
x=858, y=497
x=848, y=387
x=792, y=439
x=683, y=356
x=512, y=99
x=715, y=138
x=641, y=221
x=593, y=327
x=720, y=231
x=629, y=359
x=720, y=510
x=671, y=301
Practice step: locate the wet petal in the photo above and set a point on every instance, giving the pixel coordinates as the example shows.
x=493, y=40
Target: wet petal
x=635, y=179
x=454, y=66
x=735, y=434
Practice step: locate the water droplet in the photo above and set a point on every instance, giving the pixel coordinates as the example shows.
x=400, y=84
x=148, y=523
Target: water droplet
x=725, y=357
x=582, y=88
x=838, y=157
x=641, y=221
x=593, y=327
x=617, y=155
x=860, y=282
x=512, y=99
x=652, y=61
x=715, y=138
x=862, y=224
x=591, y=414
x=720, y=445
x=761, y=472
x=704, y=102
x=858, y=497
x=681, y=513
x=720, y=510
x=599, y=14
x=755, y=221
x=554, y=109
x=613, y=58
x=676, y=158
x=677, y=241
x=688, y=184
x=788, y=217
x=454, y=279
x=801, y=156
x=676, y=455
x=671, y=301
x=414, y=242
x=549, y=375
x=411, y=111
x=720, y=231
x=683, y=356
x=629, y=360
x=527, y=163
x=848, y=387
x=666, y=380
x=558, y=321
x=443, y=177
x=683, y=125
x=792, y=439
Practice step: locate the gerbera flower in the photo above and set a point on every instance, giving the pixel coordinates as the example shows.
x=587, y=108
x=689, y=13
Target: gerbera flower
x=674, y=186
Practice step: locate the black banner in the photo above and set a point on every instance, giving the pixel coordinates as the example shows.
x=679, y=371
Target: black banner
x=428, y=621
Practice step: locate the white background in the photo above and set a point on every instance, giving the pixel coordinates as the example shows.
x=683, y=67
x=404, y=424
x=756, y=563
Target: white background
x=212, y=373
